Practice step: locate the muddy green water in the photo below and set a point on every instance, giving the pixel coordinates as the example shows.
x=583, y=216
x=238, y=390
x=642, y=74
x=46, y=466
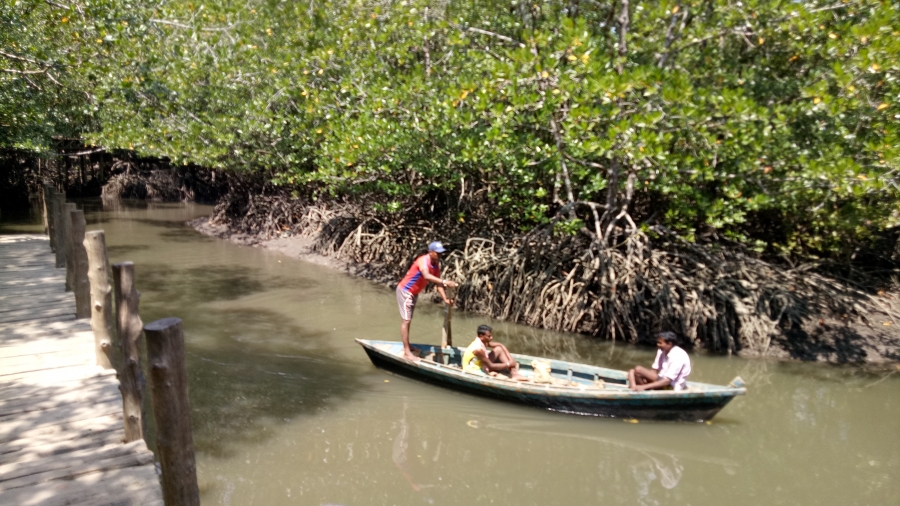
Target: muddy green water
x=287, y=409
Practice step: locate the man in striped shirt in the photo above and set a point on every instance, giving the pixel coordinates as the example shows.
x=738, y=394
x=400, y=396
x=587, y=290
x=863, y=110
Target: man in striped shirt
x=425, y=269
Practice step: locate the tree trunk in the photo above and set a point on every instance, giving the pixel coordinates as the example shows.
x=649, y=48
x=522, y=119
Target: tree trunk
x=101, y=300
x=128, y=324
x=172, y=412
x=44, y=218
x=49, y=226
x=82, y=286
x=70, y=245
x=59, y=203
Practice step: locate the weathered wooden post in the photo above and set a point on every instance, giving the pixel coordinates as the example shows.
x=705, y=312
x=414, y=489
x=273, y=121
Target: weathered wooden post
x=128, y=324
x=82, y=286
x=101, y=299
x=172, y=412
x=69, y=245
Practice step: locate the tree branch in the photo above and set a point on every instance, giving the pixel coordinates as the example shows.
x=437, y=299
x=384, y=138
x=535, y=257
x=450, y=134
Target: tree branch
x=562, y=159
x=623, y=20
x=485, y=32
x=23, y=72
x=22, y=58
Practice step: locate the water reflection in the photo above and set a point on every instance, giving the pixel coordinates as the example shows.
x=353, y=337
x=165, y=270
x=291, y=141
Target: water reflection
x=418, y=466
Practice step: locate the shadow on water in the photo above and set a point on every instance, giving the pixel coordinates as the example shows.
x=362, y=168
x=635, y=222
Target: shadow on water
x=249, y=369
x=119, y=251
x=263, y=372
x=199, y=284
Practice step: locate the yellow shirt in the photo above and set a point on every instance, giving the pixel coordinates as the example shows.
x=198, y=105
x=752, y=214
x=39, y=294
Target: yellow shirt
x=471, y=362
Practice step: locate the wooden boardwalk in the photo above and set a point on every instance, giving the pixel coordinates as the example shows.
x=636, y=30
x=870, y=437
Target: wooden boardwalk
x=61, y=427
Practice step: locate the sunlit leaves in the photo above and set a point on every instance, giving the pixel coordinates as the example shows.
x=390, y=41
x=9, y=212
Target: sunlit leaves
x=722, y=111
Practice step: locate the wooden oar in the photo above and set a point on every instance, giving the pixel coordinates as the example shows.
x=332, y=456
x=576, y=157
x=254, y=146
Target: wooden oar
x=446, y=334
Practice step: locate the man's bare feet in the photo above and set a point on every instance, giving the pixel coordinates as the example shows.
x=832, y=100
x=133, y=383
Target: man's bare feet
x=410, y=355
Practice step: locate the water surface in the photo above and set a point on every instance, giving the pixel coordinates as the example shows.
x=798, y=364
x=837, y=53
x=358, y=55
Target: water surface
x=287, y=409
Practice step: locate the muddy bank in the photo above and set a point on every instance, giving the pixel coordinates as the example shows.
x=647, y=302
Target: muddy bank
x=298, y=247
x=800, y=324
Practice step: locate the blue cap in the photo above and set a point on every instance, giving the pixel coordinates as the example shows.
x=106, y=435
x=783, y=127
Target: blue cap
x=437, y=247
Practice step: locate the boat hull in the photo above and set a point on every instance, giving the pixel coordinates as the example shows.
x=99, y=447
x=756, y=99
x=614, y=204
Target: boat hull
x=638, y=405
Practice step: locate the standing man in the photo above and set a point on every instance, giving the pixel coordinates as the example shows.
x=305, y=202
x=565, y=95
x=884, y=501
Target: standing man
x=425, y=269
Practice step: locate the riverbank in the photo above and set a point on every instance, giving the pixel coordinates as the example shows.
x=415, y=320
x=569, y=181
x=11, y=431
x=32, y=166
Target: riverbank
x=294, y=246
x=872, y=341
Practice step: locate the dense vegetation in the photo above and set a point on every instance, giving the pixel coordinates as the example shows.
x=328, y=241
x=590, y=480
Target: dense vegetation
x=767, y=125
x=771, y=122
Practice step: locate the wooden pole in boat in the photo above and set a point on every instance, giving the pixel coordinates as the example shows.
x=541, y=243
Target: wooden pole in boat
x=101, y=299
x=128, y=324
x=82, y=286
x=446, y=332
x=172, y=412
x=68, y=208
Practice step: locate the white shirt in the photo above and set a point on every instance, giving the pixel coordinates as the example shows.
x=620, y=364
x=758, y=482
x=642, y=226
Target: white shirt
x=675, y=366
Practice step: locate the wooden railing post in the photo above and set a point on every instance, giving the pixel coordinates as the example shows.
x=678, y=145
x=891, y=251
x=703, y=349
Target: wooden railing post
x=172, y=412
x=82, y=286
x=101, y=299
x=59, y=202
x=128, y=324
x=69, y=245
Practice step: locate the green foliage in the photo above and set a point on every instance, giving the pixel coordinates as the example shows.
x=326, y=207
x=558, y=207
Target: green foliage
x=723, y=115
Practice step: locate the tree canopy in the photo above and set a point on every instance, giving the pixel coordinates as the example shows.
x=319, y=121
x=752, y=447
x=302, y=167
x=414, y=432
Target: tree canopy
x=770, y=122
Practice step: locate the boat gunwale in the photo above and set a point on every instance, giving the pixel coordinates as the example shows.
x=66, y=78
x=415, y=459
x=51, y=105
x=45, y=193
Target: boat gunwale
x=716, y=391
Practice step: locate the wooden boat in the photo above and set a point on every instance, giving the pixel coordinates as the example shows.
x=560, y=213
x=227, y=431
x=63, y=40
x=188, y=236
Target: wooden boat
x=574, y=388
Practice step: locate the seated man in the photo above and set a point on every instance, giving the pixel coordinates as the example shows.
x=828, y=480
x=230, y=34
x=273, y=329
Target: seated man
x=670, y=369
x=478, y=360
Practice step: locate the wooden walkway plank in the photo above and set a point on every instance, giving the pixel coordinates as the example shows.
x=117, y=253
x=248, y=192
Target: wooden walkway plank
x=23, y=333
x=127, y=486
x=42, y=357
x=61, y=426
x=16, y=470
x=62, y=415
x=19, y=406
x=62, y=469
x=56, y=318
x=20, y=389
x=67, y=432
x=31, y=450
x=47, y=302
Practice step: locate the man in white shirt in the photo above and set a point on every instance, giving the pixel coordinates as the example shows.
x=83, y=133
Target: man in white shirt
x=670, y=369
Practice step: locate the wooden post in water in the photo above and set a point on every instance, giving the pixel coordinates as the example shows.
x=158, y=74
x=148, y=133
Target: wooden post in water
x=81, y=285
x=49, y=195
x=128, y=324
x=172, y=412
x=101, y=299
x=69, y=245
x=58, y=202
